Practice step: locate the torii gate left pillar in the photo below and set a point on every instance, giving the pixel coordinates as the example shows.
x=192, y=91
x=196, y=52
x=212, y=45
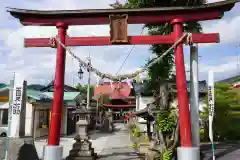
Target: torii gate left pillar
x=176, y=16
x=55, y=125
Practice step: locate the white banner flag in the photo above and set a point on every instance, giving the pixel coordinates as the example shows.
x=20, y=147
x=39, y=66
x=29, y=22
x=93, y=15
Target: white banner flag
x=211, y=107
x=16, y=105
x=210, y=103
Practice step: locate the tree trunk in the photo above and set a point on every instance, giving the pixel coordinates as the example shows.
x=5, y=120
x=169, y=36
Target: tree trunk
x=206, y=133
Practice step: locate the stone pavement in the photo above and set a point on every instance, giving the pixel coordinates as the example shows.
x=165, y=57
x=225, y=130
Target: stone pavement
x=115, y=146
x=108, y=146
x=67, y=144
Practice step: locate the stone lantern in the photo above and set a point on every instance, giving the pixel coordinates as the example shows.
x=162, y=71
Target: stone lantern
x=82, y=148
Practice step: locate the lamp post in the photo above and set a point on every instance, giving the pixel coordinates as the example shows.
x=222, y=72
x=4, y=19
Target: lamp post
x=89, y=80
x=80, y=75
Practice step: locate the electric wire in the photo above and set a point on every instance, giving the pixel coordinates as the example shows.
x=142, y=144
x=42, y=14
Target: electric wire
x=124, y=62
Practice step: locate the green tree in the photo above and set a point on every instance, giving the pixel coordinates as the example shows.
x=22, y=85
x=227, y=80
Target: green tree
x=161, y=72
x=83, y=90
x=227, y=109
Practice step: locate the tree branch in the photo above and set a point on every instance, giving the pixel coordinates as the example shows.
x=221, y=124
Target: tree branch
x=176, y=135
x=161, y=138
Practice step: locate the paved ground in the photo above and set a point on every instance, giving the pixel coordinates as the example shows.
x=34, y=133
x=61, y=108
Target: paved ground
x=223, y=151
x=115, y=146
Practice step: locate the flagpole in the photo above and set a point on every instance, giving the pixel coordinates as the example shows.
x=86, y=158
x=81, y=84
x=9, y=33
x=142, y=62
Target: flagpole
x=211, y=108
x=11, y=87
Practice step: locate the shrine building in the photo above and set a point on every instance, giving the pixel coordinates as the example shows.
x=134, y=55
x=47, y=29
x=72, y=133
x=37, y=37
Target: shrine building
x=118, y=97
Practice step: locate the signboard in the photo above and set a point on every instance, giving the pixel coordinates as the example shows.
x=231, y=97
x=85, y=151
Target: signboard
x=16, y=105
x=118, y=28
x=211, y=107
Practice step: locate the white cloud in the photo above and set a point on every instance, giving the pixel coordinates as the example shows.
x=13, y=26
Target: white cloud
x=37, y=65
x=228, y=64
x=227, y=28
x=226, y=67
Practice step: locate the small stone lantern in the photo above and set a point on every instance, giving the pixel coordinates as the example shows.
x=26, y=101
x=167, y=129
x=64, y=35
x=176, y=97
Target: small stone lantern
x=82, y=148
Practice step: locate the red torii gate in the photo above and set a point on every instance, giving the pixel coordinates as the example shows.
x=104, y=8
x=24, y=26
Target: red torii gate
x=176, y=15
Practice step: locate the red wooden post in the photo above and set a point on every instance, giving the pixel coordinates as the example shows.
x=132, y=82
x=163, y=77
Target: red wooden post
x=182, y=94
x=55, y=126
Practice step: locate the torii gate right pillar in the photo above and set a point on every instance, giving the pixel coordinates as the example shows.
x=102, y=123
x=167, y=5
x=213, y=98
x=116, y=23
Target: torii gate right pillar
x=186, y=150
x=182, y=96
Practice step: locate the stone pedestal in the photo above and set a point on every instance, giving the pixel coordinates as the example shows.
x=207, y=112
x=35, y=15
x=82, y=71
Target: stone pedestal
x=82, y=148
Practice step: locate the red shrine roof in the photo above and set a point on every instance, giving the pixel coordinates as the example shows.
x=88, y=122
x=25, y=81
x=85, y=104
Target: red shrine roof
x=119, y=90
x=135, y=16
x=237, y=86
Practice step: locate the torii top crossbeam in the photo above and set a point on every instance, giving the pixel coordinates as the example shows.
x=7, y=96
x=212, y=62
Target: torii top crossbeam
x=135, y=16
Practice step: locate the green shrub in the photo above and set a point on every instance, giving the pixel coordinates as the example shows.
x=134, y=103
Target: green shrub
x=202, y=134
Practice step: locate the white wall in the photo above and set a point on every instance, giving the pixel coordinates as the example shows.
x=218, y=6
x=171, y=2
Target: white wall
x=4, y=105
x=28, y=117
x=174, y=103
x=141, y=103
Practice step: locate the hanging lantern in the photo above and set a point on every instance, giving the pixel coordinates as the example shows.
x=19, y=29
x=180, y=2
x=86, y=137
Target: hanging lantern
x=80, y=72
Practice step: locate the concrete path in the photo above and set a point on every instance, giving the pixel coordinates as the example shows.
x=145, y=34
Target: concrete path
x=68, y=142
x=108, y=146
x=118, y=146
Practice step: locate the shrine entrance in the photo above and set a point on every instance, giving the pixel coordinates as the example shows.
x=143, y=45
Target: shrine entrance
x=119, y=20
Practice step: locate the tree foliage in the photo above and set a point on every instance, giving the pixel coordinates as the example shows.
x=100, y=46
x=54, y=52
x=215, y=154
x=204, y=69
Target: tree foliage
x=227, y=106
x=83, y=90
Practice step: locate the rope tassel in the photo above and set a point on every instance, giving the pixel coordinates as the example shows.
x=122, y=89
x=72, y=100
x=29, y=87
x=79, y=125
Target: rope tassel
x=97, y=80
x=111, y=84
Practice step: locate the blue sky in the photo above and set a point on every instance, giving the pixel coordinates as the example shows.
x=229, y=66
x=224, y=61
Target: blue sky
x=37, y=65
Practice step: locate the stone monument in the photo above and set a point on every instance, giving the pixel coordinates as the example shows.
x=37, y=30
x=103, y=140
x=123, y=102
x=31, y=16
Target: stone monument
x=107, y=124
x=82, y=148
